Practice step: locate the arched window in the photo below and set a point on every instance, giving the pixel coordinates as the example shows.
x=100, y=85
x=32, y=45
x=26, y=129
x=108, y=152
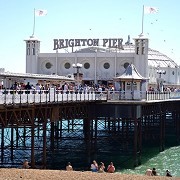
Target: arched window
x=126, y=65
x=48, y=65
x=106, y=65
x=86, y=65
x=67, y=65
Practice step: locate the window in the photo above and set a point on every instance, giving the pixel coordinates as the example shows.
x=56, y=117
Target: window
x=137, y=42
x=28, y=51
x=48, y=65
x=67, y=65
x=143, y=50
x=86, y=65
x=106, y=65
x=137, y=50
x=33, y=51
x=135, y=85
x=173, y=73
x=126, y=65
x=128, y=86
x=143, y=43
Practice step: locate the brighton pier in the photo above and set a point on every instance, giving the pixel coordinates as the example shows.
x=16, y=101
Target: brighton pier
x=42, y=126
x=65, y=43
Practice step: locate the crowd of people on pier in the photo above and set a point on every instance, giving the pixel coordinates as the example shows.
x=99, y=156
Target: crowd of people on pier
x=63, y=87
x=73, y=87
x=165, y=89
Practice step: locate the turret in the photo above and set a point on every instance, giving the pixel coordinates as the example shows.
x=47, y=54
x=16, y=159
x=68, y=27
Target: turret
x=32, y=51
x=141, y=55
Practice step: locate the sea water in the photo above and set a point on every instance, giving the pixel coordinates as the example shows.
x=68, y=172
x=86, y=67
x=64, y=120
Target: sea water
x=169, y=159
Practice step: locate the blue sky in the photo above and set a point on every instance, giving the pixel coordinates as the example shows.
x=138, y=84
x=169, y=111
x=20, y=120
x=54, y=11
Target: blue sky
x=85, y=19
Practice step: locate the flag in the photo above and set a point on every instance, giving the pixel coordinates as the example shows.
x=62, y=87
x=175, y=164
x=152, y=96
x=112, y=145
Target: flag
x=40, y=12
x=150, y=10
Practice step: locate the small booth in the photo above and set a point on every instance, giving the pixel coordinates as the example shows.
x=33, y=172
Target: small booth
x=129, y=84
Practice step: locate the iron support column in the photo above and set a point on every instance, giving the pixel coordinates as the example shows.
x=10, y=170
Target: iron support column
x=44, y=142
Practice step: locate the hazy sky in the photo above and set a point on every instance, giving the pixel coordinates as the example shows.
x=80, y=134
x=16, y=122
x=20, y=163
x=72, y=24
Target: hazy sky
x=85, y=19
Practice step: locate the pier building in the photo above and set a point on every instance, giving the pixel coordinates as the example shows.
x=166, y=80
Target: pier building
x=102, y=60
x=52, y=126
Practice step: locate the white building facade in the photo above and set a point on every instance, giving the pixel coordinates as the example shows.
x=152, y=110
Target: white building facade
x=100, y=64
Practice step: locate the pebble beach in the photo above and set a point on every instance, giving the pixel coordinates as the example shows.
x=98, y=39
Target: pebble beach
x=39, y=174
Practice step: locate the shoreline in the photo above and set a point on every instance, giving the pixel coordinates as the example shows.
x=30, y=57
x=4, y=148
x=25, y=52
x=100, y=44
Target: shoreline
x=41, y=174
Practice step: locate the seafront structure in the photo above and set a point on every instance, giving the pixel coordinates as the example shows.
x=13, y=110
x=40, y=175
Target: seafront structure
x=53, y=126
x=9, y=79
x=102, y=60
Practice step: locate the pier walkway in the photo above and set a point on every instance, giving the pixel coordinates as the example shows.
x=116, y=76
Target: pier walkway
x=53, y=95
x=35, y=125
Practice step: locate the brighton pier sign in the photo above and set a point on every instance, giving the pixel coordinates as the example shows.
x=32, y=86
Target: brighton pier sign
x=65, y=43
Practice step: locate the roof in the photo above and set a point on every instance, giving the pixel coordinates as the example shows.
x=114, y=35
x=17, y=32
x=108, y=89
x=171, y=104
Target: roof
x=32, y=38
x=155, y=58
x=131, y=73
x=35, y=76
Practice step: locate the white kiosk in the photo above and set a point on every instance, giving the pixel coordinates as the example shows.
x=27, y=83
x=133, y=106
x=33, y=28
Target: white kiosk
x=130, y=84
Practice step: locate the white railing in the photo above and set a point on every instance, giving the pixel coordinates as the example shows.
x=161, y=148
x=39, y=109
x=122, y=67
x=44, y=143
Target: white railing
x=150, y=95
x=53, y=95
x=142, y=95
x=43, y=96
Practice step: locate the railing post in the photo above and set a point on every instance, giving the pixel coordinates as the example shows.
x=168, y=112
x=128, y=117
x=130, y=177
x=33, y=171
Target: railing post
x=54, y=94
x=49, y=100
x=20, y=96
x=34, y=92
x=67, y=92
x=5, y=96
x=40, y=95
x=57, y=92
x=72, y=93
x=27, y=95
x=13, y=92
x=46, y=92
x=147, y=96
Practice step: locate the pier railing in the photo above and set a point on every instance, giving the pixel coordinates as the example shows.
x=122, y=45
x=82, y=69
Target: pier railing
x=44, y=96
x=142, y=95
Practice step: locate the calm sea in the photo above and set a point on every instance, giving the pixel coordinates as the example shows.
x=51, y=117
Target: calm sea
x=168, y=159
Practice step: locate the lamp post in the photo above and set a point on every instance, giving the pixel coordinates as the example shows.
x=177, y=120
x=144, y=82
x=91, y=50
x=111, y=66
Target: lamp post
x=77, y=66
x=160, y=80
x=160, y=72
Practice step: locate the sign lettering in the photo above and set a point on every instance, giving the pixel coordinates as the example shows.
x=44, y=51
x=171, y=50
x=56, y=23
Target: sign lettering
x=65, y=43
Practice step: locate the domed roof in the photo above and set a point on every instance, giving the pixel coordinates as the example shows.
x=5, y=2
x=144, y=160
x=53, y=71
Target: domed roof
x=155, y=58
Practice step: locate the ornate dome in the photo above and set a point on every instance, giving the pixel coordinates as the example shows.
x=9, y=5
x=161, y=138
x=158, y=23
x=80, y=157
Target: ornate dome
x=155, y=58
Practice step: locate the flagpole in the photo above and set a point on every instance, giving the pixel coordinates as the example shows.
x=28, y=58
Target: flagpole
x=34, y=23
x=143, y=20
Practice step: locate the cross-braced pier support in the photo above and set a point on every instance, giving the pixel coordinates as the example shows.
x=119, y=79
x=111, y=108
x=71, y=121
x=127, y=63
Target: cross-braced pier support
x=48, y=133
